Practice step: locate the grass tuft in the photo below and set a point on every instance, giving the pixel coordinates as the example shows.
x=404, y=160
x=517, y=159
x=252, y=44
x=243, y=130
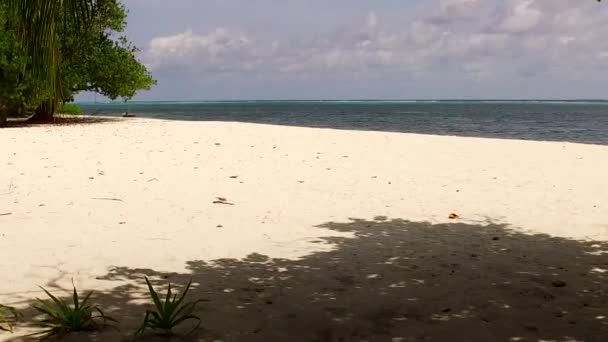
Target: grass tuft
x=8, y=318
x=169, y=313
x=62, y=318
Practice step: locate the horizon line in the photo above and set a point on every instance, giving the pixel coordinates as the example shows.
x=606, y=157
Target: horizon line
x=350, y=100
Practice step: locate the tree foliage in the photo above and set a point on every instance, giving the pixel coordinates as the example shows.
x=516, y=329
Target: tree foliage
x=95, y=59
x=37, y=23
x=86, y=53
x=13, y=86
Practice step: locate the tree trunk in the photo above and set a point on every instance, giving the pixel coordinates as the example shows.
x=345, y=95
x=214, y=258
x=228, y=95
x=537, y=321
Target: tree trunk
x=44, y=113
x=3, y=111
x=3, y=116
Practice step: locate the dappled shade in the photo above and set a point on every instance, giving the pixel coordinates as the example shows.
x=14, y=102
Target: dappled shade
x=393, y=279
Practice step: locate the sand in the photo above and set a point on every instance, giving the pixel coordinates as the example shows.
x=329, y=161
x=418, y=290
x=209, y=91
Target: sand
x=105, y=203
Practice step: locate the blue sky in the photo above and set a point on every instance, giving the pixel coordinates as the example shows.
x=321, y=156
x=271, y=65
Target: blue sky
x=307, y=49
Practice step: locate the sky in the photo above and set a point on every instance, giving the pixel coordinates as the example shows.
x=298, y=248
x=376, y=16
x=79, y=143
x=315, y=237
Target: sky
x=371, y=49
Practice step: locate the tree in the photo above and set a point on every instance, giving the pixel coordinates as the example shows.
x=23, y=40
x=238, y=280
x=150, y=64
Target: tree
x=92, y=58
x=93, y=61
x=9, y=67
x=15, y=88
x=37, y=22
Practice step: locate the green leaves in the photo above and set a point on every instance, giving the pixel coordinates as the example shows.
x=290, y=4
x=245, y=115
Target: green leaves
x=62, y=318
x=52, y=49
x=8, y=317
x=170, y=313
x=38, y=22
x=107, y=67
x=97, y=59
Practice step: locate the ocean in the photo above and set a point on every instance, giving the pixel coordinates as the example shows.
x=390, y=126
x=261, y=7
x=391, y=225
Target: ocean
x=571, y=121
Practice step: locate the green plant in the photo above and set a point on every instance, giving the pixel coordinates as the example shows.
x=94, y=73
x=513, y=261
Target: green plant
x=71, y=109
x=8, y=318
x=50, y=50
x=170, y=313
x=63, y=318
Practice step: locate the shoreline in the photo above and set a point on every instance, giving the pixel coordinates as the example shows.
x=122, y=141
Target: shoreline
x=139, y=194
x=119, y=118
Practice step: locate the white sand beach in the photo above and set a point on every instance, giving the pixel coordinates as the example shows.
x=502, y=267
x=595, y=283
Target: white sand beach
x=77, y=202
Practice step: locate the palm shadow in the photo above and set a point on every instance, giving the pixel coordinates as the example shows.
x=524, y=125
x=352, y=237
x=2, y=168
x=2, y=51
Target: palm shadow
x=393, y=280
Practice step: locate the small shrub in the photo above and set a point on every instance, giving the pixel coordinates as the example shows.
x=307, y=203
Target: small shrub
x=70, y=109
x=8, y=317
x=62, y=318
x=170, y=313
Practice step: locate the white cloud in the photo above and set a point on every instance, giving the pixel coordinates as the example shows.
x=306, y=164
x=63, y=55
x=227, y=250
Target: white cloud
x=188, y=48
x=522, y=17
x=457, y=5
x=478, y=39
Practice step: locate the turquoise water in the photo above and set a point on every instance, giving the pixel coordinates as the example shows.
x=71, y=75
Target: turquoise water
x=584, y=121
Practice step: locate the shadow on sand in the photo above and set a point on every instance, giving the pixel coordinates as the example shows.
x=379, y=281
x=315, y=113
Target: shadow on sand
x=60, y=120
x=394, y=281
